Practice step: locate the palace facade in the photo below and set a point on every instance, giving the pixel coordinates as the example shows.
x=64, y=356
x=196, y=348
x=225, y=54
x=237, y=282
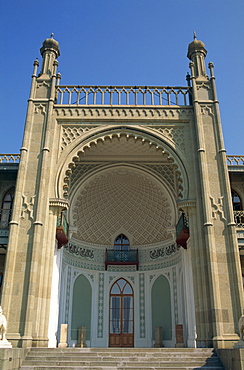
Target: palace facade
x=122, y=215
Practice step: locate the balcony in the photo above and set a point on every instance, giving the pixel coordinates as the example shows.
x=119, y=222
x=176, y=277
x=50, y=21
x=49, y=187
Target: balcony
x=182, y=231
x=62, y=230
x=121, y=257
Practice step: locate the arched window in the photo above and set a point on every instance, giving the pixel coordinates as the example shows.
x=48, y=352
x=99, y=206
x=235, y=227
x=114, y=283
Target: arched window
x=6, y=209
x=121, y=243
x=236, y=201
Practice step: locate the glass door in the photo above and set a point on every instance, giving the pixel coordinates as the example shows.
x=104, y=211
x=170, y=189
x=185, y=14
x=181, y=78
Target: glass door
x=121, y=322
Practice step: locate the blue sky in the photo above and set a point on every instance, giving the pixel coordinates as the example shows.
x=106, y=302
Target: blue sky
x=124, y=42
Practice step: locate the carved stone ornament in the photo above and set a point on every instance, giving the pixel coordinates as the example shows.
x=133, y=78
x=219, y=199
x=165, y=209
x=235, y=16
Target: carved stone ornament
x=217, y=207
x=27, y=206
x=58, y=202
x=145, y=112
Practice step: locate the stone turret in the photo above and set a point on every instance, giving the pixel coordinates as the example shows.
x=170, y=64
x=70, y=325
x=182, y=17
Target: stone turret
x=197, y=53
x=50, y=52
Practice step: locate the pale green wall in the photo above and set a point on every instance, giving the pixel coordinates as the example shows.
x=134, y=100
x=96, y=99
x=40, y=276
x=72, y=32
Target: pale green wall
x=81, y=307
x=161, y=307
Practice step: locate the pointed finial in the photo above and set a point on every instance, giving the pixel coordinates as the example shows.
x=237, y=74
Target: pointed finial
x=194, y=35
x=52, y=36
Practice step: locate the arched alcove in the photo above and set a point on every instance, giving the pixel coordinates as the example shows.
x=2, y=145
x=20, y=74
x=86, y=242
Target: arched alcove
x=161, y=307
x=81, y=307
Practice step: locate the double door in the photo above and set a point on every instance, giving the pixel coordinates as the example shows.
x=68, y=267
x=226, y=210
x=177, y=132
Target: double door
x=121, y=321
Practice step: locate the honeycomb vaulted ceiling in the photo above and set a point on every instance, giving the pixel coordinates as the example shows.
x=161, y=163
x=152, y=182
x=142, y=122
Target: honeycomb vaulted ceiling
x=118, y=199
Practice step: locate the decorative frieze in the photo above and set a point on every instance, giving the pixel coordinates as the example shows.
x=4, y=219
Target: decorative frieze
x=142, y=305
x=122, y=112
x=100, y=306
x=79, y=251
x=164, y=251
x=68, y=287
x=175, y=296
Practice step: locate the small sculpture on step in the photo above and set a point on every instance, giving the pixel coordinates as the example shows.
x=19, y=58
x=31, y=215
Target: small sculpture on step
x=241, y=327
x=240, y=344
x=4, y=343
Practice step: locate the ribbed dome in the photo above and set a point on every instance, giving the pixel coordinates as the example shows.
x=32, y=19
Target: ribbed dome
x=195, y=46
x=50, y=44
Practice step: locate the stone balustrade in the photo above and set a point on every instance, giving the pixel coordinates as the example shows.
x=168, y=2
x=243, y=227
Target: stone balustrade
x=123, y=95
x=235, y=160
x=9, y=158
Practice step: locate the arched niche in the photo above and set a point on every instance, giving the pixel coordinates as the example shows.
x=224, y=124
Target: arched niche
x=81, y=307
x=161, y=307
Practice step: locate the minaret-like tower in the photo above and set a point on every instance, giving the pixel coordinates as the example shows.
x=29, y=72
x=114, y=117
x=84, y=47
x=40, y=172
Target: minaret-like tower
x=216, y=264
x=29, y=266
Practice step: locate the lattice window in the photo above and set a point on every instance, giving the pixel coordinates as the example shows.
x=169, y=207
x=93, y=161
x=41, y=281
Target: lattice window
x=6, y=209
x=236, y=201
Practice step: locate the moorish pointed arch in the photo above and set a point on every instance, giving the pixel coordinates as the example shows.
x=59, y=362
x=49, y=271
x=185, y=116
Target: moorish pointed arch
x=148, y=142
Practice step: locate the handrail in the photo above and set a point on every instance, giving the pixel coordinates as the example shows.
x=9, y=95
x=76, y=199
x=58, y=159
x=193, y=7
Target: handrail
x=121, y=257
x=122, y=95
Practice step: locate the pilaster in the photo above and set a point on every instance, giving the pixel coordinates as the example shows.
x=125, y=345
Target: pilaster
x=27, y=285
x=216, y=215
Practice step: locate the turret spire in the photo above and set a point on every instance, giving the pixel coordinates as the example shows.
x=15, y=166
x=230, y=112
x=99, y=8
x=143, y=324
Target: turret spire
x=49, y=51
x=197, y=53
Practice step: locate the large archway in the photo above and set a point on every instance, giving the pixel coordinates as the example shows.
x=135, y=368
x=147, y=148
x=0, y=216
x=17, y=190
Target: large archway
x=123, y=184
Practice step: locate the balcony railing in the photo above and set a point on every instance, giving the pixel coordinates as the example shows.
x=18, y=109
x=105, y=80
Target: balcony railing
x=5, y=216
x=235, y=160
x=62, y=230
x=182, y=231
x=239, y=218
x=122, y=95
x=121, y=257
x=9, y=158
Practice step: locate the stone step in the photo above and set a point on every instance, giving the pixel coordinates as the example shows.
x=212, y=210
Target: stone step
x=48, y=367
x=121, y=358
x=122, y=349
x=47, y=357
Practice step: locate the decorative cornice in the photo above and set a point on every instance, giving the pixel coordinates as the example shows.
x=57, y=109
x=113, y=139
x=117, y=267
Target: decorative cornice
x=149, y=112
x=186, y=204
x=57, y=202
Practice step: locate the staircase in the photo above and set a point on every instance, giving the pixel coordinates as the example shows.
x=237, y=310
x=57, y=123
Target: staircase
x=121, y=358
